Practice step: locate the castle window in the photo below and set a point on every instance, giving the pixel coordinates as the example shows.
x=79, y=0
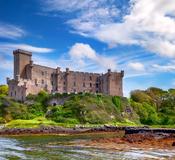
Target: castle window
x=90, y=84
x=74, y=84
x=64, y=83
x=15, y=93
x=90, y=78
x=84, y=85
x=42, y=73
x=42, y=81
x=96, y=85
x=36, y=81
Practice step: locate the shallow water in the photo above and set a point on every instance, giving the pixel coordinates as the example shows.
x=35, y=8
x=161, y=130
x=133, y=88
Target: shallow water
x=70, y=148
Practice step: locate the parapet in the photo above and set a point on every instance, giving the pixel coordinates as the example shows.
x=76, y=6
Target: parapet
x=22, y=52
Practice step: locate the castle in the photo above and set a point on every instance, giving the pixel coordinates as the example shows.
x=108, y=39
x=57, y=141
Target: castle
x=30, y=78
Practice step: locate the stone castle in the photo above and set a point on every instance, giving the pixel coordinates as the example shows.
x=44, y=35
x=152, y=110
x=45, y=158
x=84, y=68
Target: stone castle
x=30, y=78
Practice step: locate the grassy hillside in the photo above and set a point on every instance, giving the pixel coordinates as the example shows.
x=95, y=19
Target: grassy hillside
x=150, y=107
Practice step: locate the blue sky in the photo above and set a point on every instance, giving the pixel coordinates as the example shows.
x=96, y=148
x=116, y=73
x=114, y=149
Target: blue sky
x=137, y=36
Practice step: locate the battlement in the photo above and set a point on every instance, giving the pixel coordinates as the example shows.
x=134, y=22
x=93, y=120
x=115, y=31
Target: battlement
x=31, y=78
x=22, y=52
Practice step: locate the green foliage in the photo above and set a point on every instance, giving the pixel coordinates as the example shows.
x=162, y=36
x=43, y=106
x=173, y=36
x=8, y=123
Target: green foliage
x=171, y=91
x=58, y=114
x=2, y=120
x=3, y=90
x=153, y=106
x=36, y=109
x=153, y=92
x=117, y=101
x=141, y=96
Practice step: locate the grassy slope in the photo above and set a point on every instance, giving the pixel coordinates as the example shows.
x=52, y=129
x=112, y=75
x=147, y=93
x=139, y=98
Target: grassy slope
x=81, y=109
x=153, y=107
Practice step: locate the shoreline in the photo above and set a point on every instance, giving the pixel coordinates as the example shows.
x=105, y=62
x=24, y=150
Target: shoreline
x=55, y=130
x=124, y=138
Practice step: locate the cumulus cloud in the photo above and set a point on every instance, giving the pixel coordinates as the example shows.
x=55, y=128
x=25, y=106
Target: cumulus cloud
x=137, y=66
x=9, y=47
x=146, y=23
x=81, y=52
x=150, y=24
x=11, y=31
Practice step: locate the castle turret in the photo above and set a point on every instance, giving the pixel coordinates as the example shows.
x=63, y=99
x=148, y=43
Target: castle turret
x=21, y=60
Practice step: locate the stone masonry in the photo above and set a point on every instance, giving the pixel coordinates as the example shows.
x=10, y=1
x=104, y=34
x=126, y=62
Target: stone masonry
x=30, y=78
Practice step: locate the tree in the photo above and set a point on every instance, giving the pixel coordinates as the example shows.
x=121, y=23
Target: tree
x=3, y=90
x=141, y=96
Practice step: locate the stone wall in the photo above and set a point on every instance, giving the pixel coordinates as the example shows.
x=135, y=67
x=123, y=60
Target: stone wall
x=32, y=78
x=21, y=60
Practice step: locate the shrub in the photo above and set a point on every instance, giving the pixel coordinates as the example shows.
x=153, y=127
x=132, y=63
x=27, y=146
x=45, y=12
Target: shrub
x=36, y=109
x=117, y=101
x=3, y=90
x=141, y=96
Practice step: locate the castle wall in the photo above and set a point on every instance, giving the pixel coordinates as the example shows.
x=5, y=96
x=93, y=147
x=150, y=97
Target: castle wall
x=115, y=84
x=104, y=84
x=31, y=78
x=42, y=76
x=21, y=59
x=17, y=91
x=81, y=82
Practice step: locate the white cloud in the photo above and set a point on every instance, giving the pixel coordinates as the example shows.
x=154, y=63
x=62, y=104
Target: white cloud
x=136, y=66
x=79, y=52
x=11, y=31
x=89, y=14
x=163, y=47
x=147, y=23
x=164, y=68
x=9, y=47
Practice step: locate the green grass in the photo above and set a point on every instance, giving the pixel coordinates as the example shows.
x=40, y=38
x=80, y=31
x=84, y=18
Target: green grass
x=33, y=123
x=163, y=126
x=151, y=107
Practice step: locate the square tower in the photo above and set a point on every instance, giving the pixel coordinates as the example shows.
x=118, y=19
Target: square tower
x=21, y=60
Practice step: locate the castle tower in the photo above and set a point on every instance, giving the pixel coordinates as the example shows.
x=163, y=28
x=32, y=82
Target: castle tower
x=21, y=59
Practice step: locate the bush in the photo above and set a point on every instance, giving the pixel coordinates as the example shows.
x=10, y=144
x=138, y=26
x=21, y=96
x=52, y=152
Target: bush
x=146, y=112
x=3, y=90
x=117, y=101
x=36, y=109
x=61, y=115
x=141, y=96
